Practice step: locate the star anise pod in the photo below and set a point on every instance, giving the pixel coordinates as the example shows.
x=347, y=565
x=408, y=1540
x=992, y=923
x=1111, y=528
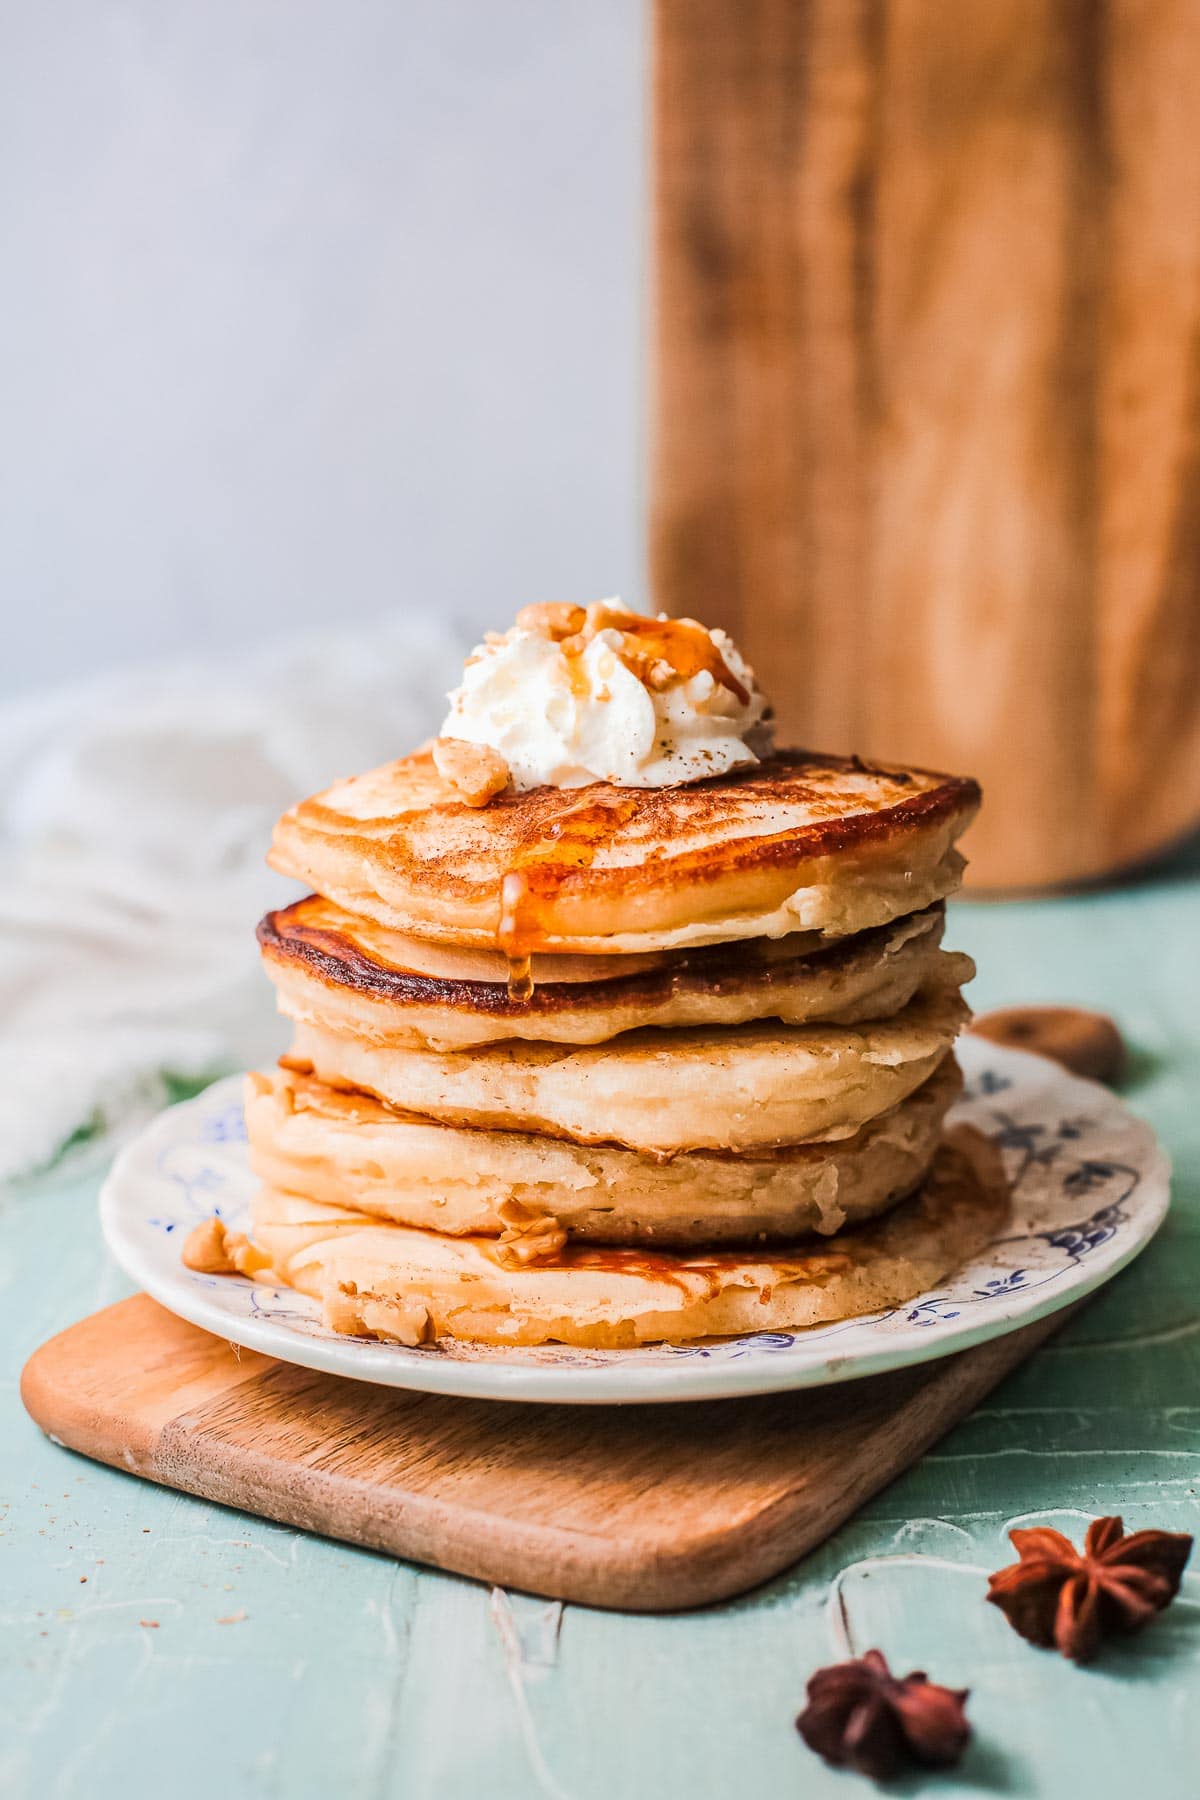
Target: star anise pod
x=1069, y=1600
x=860, y=1716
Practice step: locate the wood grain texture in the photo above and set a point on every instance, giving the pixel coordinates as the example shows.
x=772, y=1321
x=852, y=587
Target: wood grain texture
x=927, y=395
x=646, y=1509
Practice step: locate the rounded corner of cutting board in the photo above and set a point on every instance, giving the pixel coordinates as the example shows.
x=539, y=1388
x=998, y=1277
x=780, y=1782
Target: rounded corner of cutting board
x=47, y=1391
x=32, y=1388
x=658, y=1574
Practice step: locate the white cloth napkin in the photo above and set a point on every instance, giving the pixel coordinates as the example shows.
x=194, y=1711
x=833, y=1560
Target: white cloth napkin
x=134, y=817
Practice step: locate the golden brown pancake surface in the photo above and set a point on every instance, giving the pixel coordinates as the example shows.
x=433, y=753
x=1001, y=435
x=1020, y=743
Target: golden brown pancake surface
x=800, y=842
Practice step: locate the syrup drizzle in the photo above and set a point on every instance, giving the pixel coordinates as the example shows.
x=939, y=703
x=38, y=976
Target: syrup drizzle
x=530, y=888
x=681, y=1269
x=682, y=643
x=520, y=979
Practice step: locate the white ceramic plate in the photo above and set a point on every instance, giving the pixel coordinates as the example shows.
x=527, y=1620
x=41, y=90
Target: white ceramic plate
x=1090, y=1187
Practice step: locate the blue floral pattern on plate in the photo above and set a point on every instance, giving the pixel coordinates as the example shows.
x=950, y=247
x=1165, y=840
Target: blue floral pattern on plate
x=1089, y=1183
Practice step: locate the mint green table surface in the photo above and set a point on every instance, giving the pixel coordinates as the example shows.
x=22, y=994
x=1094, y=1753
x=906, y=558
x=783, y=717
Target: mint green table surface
x=278, y=1664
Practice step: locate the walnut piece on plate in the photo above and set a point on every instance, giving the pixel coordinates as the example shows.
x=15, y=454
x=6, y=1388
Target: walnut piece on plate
x=212, y=1249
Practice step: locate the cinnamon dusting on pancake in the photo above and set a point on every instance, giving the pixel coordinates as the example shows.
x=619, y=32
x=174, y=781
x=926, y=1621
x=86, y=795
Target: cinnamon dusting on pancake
x=799, y=841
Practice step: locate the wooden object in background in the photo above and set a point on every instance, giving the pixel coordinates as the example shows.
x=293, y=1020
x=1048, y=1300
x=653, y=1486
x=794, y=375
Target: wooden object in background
x=927, y=411
x=645, y=1508
x=1086, y=1042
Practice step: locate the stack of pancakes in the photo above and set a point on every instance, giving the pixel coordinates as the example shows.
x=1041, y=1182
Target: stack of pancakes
x=607, y=1066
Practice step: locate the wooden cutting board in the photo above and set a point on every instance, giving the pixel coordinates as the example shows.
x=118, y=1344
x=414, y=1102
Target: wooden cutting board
x=647, y=1508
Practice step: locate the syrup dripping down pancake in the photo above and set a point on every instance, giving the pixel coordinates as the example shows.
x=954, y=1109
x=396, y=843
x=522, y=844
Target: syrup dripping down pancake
x=348, y=976
x=390, y=1281
x=800, y=842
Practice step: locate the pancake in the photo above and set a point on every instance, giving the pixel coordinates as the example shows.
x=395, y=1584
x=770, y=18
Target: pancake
x=346, y=1149
x=800, y=842
x=334, y=971
x=740, y=1087
x=414, y=1287
x=325, y=926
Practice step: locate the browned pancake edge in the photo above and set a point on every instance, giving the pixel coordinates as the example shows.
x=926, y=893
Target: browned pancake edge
x=288, y=938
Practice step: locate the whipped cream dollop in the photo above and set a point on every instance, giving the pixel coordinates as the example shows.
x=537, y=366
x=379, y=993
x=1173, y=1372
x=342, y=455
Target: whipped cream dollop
x=571, y=695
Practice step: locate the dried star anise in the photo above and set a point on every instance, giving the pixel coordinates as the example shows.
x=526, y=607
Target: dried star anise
x=1069, y=1600
x=861, y=1716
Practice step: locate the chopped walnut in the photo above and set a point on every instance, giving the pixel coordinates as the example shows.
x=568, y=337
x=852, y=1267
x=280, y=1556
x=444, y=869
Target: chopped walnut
x=247, y=1258
x=258, y=1083
x=204, y=1249
x=212, y=1249
x=527, y=1237
x=359, y=1315
x=660, y=674
x=477, y=771
x=551, y=618
x=607, y=615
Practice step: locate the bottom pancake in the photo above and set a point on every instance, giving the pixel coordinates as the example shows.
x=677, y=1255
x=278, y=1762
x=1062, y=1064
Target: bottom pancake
x=413, y=1287
x=348, y=1149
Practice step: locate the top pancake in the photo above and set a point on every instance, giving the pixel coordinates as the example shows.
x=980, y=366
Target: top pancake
x=801, y=842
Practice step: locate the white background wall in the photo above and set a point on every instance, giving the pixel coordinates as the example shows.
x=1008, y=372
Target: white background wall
x=313, y=310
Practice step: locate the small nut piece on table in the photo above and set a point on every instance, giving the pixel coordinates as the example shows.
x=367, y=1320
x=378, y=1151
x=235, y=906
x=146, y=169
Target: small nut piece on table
x=1086, y=1043
x=477, y=771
